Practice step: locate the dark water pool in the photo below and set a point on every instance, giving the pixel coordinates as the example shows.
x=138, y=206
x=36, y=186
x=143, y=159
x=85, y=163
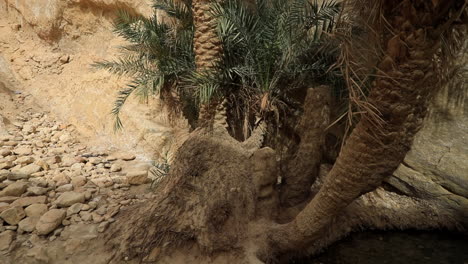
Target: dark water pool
x=409, y=247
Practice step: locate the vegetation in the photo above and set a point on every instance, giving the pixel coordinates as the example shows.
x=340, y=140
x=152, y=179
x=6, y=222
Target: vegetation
x=221, y=195
x=268, y=54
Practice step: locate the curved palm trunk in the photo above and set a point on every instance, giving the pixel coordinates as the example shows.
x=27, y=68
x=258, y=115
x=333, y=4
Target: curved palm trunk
x=303, y=169
x=372, y=152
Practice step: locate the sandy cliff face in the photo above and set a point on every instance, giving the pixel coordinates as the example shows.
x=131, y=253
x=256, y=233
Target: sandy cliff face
x=47, y=48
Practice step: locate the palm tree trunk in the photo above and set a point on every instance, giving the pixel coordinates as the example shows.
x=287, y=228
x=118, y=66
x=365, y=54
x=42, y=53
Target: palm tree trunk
x=207, y=45
x=207, y=49
x=302, y=170
x=406, y=84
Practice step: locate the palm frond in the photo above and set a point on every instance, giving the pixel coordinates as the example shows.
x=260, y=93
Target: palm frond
x=179, y=10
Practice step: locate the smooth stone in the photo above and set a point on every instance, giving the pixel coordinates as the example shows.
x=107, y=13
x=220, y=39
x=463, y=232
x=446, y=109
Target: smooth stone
x=137, y=177
x=115, y=168
x=37, y=190
x=61, y=179
x=36, y=210
x=23, y=151
x=78, y=181
x=103, y=226
x=64, y=188
x=16, y=176
x=30, y=169
x=14, y=189
x=125, y=156
x=27, y=201
x=6, y=165
x=74, y=209
x=50, y=221
x=5, y=152
x=77, y=166
x=28, y=224
x=13, y=215
x=86, y=216
x=24, y=160
x=3, y=207
x=6, y=238
x=8, y=199
x=69, y=198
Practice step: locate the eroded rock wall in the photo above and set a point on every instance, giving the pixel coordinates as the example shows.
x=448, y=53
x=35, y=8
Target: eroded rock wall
x=47, y=48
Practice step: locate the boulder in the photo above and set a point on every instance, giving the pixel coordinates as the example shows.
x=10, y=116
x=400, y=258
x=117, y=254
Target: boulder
x=35, y=210
x=124, y=156
x=15, y=176
x=70, y=198
x=61, y=179
x=65, y=188
x=37, y=190
x=27, y=201
x=14, y=189
x=22, y=151
x=8, y=199
x=5, y=152
x=115, y=168
x=6, y=165
x=30, y=169
x=68, y=161
x=28, y=224
x=95, y=160
x=78, y=181
x=49, y=221
x=74, y=209
x=77, y=167
x=13, y=215
x=24, y=160
x=4, y=206
x=5, y=239
x=138, y=177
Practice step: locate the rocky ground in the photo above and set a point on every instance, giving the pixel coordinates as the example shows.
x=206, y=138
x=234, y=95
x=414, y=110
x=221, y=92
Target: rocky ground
x=53, y=187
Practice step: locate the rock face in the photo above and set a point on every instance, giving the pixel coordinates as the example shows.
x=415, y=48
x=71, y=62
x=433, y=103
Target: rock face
x=437, y=164
x=59, y=79
x=49, y=221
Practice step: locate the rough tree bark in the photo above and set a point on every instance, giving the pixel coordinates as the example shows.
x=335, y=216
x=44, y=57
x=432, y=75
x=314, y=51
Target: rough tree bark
x=207, y=48
x=407, y=80
x=303, y=169
x=206, y=43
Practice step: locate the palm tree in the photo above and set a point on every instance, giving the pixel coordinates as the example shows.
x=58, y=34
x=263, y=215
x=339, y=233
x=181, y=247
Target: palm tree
x=412, y=33
x=210, y=197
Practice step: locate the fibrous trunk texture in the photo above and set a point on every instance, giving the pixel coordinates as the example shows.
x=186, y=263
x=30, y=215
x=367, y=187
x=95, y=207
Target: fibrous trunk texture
x=406, y=82
x=207, y=49
x=303, y=169
x=207, y=45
